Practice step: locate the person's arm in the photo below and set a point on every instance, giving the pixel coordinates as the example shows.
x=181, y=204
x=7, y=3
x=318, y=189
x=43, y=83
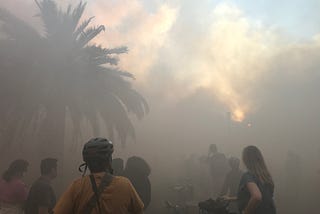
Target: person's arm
x=136, y=204
x=43, y=210
x=255, y=198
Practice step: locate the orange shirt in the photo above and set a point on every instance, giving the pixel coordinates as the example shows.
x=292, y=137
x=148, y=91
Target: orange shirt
x=119, y=197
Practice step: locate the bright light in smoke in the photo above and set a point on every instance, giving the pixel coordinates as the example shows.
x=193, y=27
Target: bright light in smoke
x=238, y=115
x=232, y=58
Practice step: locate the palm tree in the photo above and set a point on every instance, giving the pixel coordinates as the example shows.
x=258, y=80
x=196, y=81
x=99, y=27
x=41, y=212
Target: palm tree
x=46, y=76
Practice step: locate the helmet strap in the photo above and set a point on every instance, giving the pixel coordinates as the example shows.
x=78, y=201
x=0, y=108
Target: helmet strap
x=85, y=169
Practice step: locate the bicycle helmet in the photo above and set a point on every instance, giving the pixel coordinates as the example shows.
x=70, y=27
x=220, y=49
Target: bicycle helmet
x=97, y=148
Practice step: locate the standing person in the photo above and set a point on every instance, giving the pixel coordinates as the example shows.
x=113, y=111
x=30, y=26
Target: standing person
x=13, y=191
x=218, y=168
x=232, y=180
x=118, y=166
x=42, y=199
x=100, y=192
x=137, y=171
x=255, y=195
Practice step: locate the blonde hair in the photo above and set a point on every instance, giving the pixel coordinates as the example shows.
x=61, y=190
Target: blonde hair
x=253, y=159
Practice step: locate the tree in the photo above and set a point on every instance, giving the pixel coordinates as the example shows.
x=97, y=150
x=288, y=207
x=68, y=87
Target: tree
x=45, y=76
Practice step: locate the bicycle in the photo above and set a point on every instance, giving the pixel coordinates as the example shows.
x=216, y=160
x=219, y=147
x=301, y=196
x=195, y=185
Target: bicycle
x=218, y=206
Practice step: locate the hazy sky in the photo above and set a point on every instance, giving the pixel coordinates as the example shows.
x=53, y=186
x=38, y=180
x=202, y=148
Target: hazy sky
x=226, y=47
x=294, y=16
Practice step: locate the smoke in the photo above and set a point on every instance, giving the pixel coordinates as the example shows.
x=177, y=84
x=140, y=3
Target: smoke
x=220, y=50
x=198, y=61
x=227, y=59
x=179, y=47
x=131, y=24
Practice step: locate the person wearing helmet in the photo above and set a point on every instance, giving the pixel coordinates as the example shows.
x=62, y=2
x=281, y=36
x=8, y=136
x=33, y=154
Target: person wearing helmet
x=100, y=192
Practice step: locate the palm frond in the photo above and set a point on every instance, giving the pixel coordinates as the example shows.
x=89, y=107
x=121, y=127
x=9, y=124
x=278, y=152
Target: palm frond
x=115, y=72
x=100, y=56
x=50, y=16
x=117, y=116
x=119, y=50
x=15, y=28
x=86, y=36
x=81, y=28
x=77, y=14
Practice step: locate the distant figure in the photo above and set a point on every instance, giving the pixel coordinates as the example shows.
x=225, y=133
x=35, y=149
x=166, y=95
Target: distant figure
x=218, y=167
x=232, y=180
x=118, y=166
x=137, y=171
x=100, y=192
x=42, y=199
x=293, y=173
x=13, y=191
x=256, y=187
x=191, y=177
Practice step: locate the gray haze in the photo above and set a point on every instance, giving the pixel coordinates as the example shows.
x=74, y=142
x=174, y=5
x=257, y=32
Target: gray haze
x=212, y=76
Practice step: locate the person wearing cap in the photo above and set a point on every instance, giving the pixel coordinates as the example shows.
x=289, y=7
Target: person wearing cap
x=100, y=192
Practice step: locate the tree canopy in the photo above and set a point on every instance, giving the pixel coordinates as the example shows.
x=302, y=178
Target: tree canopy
x=44, y=75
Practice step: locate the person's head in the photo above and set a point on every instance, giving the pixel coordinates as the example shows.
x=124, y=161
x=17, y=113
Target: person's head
x=137, y=165
x=254, y=162
x=48, y=168
x=117, y=166
x=234, y=163
x=16, y=170
x=213, y=148
x=97, y=154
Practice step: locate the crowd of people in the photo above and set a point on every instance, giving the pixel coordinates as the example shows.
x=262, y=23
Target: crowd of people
x=115, y=187
x=250, y=192
x=16, y=198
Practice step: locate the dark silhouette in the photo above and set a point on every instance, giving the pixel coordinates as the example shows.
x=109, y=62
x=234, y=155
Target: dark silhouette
x=118, y=166
x=232, y=180
x=41, y=198
x=218, y=166
x=13, y=191
x=137, y=171
x=46, y=76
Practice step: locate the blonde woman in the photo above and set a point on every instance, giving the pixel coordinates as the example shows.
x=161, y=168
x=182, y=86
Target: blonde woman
x=255, y=195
